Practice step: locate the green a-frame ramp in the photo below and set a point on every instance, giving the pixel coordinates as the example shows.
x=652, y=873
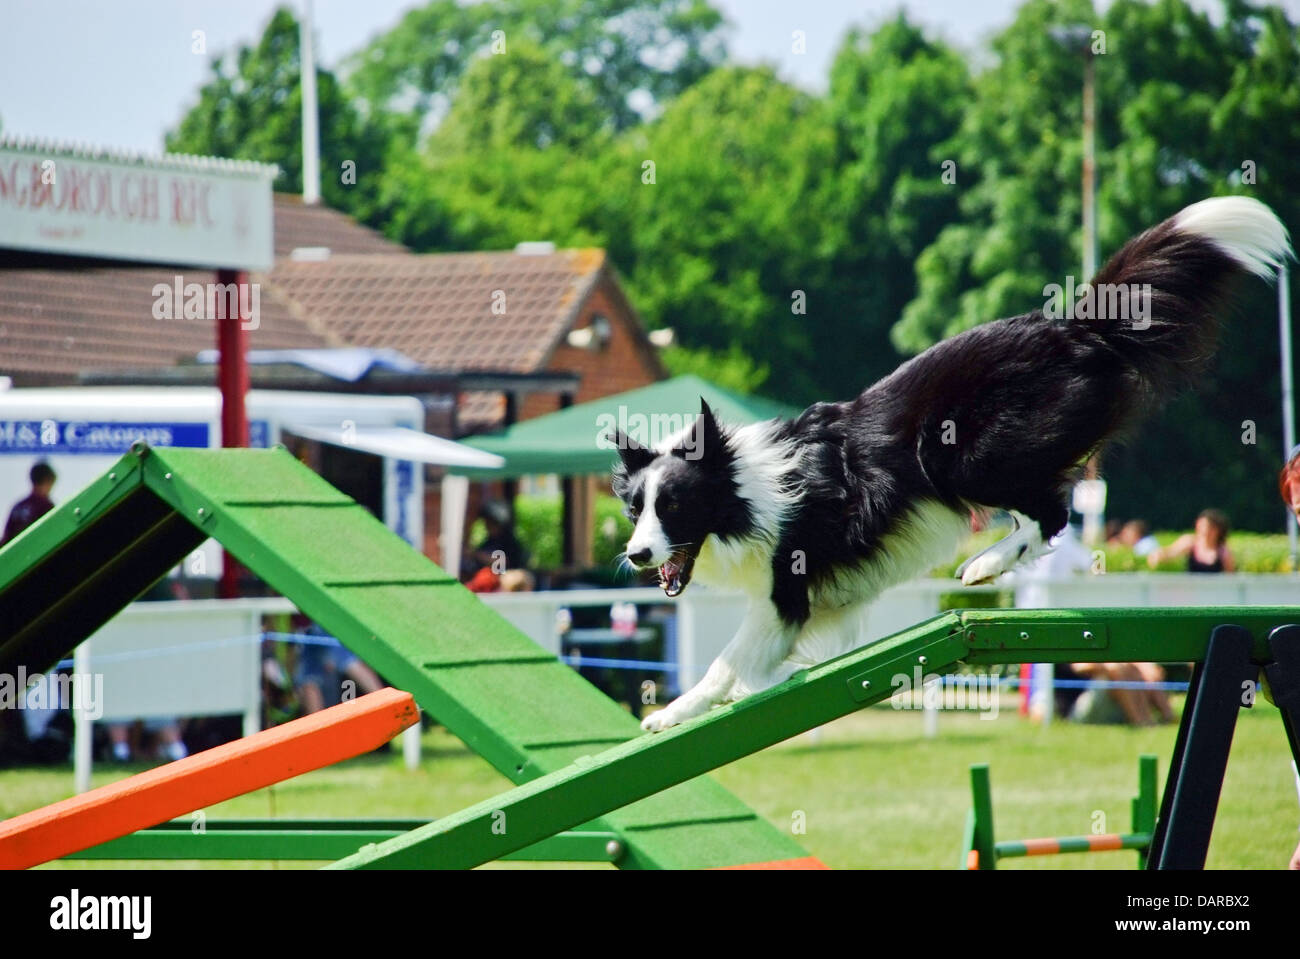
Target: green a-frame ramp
x=579, y=758
x=513, y=703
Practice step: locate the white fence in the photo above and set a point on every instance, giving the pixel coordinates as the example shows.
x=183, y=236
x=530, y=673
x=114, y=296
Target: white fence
x=186, y=658
x=707, y=618
x=201, y=657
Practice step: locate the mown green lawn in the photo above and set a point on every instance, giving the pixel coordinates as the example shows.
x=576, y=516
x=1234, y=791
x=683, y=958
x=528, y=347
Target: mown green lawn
x=870, y=789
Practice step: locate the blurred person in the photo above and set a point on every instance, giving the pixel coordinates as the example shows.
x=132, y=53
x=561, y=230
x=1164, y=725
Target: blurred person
x=1206, y=548
x=36, y=504
x=1068, y=556
x=500, y=549
x=1112, y=534
x=324, y=665
x=1289, y=482
x=1136, y=707
x=168, y=730
x=1137, y=536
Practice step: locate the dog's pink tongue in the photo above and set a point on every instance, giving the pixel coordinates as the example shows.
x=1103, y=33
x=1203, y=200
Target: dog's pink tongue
x=669, y=577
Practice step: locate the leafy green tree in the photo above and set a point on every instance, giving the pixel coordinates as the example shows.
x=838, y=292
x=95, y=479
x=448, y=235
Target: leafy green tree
x=251, y=109
x=895, y=98
x=628, y=54
x=1183, y=103
x=514, y=159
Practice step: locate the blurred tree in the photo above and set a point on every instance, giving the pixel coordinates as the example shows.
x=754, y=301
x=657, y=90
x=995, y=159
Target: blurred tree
x=251, y=109
x=715, y=214
x=1183, y=104
x=895, y=97
x=516, y=158
x=627, y=54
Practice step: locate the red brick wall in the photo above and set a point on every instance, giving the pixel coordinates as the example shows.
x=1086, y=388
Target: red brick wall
x=620, y=366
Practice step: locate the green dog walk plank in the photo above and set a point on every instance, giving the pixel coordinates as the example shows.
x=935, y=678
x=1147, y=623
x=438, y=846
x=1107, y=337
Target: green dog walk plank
x=520, y=708
x=595, y=786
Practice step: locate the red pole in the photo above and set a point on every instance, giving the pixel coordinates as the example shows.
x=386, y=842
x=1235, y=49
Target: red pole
x=232, y=376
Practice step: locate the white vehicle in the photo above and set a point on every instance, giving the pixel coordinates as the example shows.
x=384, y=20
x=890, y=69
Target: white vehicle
x=371, y=446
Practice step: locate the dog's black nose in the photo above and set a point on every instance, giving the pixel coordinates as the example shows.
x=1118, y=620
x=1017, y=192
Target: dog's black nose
x=640, y=557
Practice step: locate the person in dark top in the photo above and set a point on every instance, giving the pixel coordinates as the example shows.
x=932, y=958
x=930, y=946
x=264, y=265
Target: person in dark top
x=37, y=504
x=500, y=549
x=1206, y=549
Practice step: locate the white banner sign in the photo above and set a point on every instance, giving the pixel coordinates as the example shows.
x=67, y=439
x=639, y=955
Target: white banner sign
x=186, y=213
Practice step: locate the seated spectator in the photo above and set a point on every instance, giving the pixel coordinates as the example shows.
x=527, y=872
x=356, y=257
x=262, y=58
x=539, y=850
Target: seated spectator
x=169, y=747
x=1135, y=535
x=324, y=665
x=500, y=549
x=1206, y=548
x=1136, y=707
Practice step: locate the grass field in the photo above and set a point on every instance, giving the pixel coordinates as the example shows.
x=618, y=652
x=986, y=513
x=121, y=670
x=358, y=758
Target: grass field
x=870, y=789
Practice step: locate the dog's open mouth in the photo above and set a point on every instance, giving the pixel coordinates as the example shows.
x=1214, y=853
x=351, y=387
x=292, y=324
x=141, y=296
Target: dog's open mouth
x=676, y=573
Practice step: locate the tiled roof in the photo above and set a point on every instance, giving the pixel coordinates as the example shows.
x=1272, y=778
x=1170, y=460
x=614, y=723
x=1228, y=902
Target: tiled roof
x=297, y=226
x=56, y=323
x=439, y=309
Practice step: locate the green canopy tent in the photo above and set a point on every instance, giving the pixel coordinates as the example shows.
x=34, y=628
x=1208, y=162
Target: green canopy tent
x=571, y=442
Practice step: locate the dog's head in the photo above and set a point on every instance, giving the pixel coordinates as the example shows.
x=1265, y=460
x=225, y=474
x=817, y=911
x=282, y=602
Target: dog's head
x=677, y=495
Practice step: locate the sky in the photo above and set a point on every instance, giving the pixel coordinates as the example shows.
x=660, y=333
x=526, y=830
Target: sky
x=119, y=73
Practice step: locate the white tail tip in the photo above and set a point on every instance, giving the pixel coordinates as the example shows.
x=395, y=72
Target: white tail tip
x=1242, y=227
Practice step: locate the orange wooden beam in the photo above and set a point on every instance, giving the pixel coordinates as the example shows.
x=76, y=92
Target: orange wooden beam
x=804, y=862
x=212, y=776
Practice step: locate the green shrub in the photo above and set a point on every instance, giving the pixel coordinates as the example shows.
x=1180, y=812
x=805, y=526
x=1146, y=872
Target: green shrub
x=538, y=526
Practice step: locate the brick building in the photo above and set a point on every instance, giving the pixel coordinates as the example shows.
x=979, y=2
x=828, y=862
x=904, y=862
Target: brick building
x=535, y=310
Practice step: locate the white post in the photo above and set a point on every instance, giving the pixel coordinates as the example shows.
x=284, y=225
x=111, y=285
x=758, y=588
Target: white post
x=451, y=522
x=1045, y=690
x=83, y=730
x=1288, y=402
x=411, y=745
x=931, y=714
x=310, y=120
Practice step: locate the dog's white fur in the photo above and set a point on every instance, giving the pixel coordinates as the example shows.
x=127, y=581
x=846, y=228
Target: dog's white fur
x=765, y=651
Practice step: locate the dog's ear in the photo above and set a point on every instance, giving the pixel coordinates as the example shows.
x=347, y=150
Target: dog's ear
x=708, y=442
x=633, y=454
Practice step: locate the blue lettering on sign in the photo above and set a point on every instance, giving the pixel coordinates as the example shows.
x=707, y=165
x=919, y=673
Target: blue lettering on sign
x=405, y=485
x=259, y=434
x=77, y=436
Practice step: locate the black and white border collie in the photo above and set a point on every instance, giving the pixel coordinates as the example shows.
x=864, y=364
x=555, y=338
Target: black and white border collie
x=814, y=517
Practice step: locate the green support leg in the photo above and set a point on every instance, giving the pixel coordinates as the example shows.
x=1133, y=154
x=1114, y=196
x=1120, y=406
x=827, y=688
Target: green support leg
x=982, y=814
x=1144, y=805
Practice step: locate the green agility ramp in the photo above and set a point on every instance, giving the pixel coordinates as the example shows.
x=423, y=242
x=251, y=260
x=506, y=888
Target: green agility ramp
x=585, y=772
x=516, y=705
x=1228, y=656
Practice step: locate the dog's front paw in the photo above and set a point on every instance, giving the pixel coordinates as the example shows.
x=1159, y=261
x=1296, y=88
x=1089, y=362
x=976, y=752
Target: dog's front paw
x=984, y=568
x=658, y=721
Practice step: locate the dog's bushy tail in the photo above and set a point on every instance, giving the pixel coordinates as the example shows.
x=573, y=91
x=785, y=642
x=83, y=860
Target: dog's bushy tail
x=1175, y=279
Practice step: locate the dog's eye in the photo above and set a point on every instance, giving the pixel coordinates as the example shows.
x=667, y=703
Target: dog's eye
x=669, y=506
x=631, y=513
